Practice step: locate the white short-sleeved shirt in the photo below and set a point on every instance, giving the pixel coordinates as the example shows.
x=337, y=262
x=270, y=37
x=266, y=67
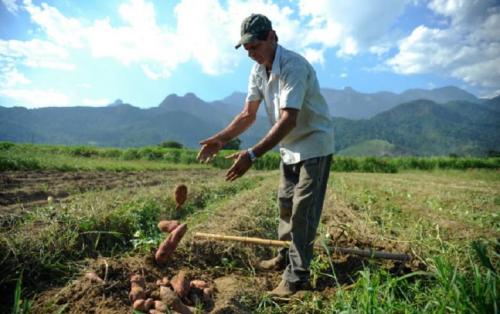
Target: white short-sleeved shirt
x=293, y=84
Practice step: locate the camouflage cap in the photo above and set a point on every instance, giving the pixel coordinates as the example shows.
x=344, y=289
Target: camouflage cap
x=252, y=27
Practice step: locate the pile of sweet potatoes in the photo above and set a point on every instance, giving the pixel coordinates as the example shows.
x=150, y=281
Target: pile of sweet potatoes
x=178, y=294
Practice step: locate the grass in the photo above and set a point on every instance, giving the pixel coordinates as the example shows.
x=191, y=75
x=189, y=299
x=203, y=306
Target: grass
x=71, y=158
x=45, y=157
x=97, y=224
x=20, y=306
x=448, y=219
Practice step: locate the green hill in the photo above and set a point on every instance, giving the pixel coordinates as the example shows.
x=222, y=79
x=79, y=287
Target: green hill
x=423, y=127
x=376, y=148
x=419, y=127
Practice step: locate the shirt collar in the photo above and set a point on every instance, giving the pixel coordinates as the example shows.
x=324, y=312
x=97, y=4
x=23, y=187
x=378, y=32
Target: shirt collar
x=276, y=69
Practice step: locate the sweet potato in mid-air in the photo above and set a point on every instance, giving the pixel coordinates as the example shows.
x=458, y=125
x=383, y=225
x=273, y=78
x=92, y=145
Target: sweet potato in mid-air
x=168, y=246
x=168, y=225
x=180, y=194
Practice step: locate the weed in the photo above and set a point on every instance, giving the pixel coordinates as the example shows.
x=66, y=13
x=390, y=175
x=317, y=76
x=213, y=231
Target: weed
x=20, y=306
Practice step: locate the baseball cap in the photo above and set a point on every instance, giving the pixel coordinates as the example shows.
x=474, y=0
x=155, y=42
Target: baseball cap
x=252, y=27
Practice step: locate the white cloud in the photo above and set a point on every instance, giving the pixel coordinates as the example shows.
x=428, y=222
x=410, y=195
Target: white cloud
x=463, y=11
x=351, y=25
x=34, y=53
x=140, y=41
x=11, y=5
x=466, y=45
x=85, y=85
x=35, y=98
x=314, y=55
x=467, y=49
x=380, y=50
x=96, y=102
x=206, y=31
x=63, y=31
x=490, y=94
x=349, y=46
x=343, y=75
x=10, y=77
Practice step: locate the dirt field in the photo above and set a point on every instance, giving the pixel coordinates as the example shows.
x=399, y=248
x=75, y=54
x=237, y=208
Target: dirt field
x=31, y=188
x=250, y=211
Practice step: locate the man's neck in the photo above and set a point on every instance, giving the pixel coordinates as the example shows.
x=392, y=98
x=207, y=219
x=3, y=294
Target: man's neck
x=269, y=66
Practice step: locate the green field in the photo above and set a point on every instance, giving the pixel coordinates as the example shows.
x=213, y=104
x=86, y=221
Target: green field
x=105, y=203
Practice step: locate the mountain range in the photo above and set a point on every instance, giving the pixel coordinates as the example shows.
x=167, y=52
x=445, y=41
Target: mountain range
x=440, y=121
x=351, y=104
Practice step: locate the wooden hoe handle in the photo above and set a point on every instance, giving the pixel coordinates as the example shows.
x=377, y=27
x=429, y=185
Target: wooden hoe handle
x=276, y=243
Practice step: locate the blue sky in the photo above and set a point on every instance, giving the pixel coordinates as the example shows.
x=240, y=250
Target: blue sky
x=70, y=53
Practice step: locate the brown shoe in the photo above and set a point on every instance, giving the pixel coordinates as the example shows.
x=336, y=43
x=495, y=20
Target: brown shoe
x=284, y=289
x=275, y=263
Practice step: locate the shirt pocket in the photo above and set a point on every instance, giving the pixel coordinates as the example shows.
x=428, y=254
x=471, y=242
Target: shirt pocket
x=259, y=82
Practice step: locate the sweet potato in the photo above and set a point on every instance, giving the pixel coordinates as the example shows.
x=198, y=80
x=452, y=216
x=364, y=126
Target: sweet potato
x=93, y=277
x=168, y=246
x=137, y=288
x=160, y=306
x=171, y=300
x=163, y=282
x=168, y=225
x=180, y=194
x=200, y=284
x=208, y=294
x=180, y=284
x=149, y=304
x=143, y=305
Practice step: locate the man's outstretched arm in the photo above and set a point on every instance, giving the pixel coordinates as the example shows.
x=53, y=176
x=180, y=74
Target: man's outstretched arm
x=212, y=145
x=287, y=121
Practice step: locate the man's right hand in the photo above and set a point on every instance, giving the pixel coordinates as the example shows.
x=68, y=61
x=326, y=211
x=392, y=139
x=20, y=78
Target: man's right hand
x=210, y=147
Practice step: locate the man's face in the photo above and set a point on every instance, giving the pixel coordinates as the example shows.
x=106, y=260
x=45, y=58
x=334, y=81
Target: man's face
x=261, y=51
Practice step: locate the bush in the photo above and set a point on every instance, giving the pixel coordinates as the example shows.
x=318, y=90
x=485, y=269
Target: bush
x=171, y=144
x=83, y=151
x=18, y=164
x=188, y=157
x=6, y=145
x=233, y=144
x=131, y=154
x=151, y=153
x=111, y=153
x=172, y=155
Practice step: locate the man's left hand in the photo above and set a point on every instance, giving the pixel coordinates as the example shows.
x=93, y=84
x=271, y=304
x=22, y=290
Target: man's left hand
x=240, y=166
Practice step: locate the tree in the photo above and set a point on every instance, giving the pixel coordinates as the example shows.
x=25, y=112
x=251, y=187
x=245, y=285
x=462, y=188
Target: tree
x=233, y=144
x=171, y=144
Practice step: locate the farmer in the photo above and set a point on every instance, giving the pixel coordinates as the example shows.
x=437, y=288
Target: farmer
x=301, y=124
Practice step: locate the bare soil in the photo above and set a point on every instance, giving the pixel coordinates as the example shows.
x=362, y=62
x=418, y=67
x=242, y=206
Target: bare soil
x=23, y=190
x=229, y=267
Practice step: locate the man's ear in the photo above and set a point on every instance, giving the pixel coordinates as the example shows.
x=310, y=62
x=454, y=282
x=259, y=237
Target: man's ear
x=272, y=35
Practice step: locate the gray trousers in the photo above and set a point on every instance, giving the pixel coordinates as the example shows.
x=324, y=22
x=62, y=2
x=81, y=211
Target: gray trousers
x=300, y=199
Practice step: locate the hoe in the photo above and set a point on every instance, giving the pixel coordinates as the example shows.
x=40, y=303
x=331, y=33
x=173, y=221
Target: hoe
x=332, y=249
